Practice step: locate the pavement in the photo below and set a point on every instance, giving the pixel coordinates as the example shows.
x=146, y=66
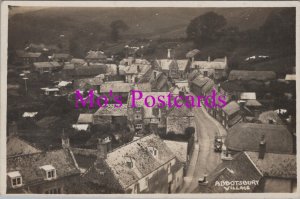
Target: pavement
x=203, y=159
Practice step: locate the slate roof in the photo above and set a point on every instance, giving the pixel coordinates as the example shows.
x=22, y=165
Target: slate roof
x=133, y=69
x=111, y=110
x=178, y=119
x=246, y=166
x=238, y=169
x=158, y=83
x=24, y=54
x=29, y=165
x=46, y=65
x=115, y=86
x=61, y=56
x=17, y=146
x=231, y=108
x=209, y=65
x=144, y=161
x=68, y=66
x=92, y=70
x=253, y=102
x=81, y=83
x=77, y=61
x=85, y=118
x=200, y=81
x=192, y=53
x=180, y=112
x=164, y=64
x=275, y=165
x=251, y=75
x=182, y=64
x=193, y=75
x=246, y=137
x=248, y=96
x=208, y=86
x=179, y=149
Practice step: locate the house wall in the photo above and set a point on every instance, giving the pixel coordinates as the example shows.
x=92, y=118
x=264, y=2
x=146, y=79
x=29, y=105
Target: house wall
x=278, y=185
x=61, y=185
x=159, y=180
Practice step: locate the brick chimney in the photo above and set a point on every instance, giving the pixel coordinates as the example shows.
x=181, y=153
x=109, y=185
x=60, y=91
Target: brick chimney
x=262, y=148
x=65, y=141
x=103, y=147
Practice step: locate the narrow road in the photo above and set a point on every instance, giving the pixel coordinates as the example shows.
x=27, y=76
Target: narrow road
x=207, y=159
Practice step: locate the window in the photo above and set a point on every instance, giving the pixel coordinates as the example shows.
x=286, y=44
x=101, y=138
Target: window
x=16, y=181
x=153, y=151
x=138, y=126
x=147, y=182
x=50, y=172
x=205, y=73
x=169, y=168
x=53, y=191
x=137, y=117
x=129, y=162
x=16, y=178
x=136, y=188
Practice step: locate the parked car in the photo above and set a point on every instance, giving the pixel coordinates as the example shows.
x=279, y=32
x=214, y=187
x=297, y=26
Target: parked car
x=218, y=144
x=202, y=181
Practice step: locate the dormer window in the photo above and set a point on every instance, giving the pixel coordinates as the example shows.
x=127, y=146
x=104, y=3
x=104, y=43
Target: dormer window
x=129, y=162
x=50, y=172
x=153, y=151
x=16, y=179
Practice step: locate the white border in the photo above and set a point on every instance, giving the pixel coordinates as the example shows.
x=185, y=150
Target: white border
x=203, y=4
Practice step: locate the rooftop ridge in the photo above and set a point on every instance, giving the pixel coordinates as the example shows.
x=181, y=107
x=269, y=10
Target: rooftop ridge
x=130, y=143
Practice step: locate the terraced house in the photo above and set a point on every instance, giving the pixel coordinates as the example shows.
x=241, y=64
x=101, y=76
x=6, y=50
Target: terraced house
x=145, y=165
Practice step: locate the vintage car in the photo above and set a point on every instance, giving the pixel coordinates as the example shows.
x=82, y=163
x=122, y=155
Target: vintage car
x=218, y=144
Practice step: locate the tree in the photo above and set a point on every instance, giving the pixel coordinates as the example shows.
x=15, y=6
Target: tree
x=116, y=26
x=279, y=28
x=205, y=28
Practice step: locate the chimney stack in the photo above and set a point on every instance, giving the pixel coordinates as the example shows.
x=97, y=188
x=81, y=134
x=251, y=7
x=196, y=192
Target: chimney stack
x=262, y=148
x=138, y=69
x=65, y=141
x=118, y=70
x=169, y=53
x=103, y=147
x=208, y=59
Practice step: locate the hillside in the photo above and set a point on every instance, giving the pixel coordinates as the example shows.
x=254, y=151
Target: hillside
x=46, y=24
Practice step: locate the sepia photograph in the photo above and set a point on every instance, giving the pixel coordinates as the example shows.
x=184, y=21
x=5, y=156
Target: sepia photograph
x=164, y=98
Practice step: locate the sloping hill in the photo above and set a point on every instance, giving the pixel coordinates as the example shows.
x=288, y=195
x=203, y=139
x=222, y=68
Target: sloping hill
x=44, y=25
